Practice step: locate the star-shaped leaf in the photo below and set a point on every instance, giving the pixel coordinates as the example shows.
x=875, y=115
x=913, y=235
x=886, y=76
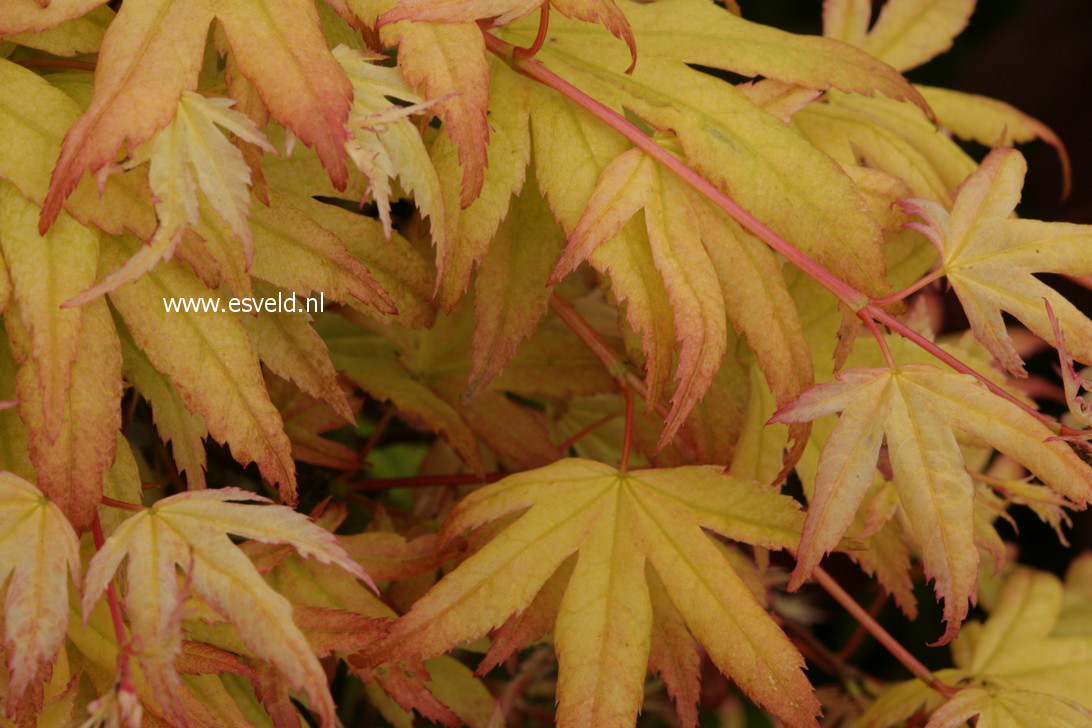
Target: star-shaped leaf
x=916, y=408
x=991, y=258
x=624, y=526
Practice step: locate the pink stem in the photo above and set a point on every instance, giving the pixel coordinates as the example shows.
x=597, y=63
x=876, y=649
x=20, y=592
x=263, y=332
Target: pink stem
x=911, y=289
x=857, y=301
x=882, y=636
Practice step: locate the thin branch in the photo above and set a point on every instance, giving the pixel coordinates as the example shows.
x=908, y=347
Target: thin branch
x=112, y=503
x=536, y=70
x=911, y=289
x=908, y=333
x=882, y=636
x=563, y=447
x=871, y=324
x=612, y=362
x=377, y=432
x=857, y=301
x=56, y=63
x=124, y=668
x=858, y=636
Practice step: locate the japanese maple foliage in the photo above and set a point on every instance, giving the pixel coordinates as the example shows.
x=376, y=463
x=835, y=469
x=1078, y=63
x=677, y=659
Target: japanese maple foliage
x=613, y=352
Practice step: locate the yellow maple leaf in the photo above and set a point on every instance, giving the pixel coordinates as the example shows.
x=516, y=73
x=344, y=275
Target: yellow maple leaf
x=191, y=154
x=620, y=524
x=916, y=407
x=1023, y=666
x=907, y=33
x=990, y=259
x=190, y=530
x=38, y=551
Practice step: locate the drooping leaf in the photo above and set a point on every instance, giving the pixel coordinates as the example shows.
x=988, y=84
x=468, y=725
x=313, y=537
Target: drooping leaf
x=468, y=232
x=224, y=382
x=177, y=425
x=618, y=523
x=447, y=64
x=70, y=464
x=45, y=271
x=385, y=144
x=511, y=291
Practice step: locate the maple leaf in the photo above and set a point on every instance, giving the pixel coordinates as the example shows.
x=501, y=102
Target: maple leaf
x=385, y=143
x=993, y=123
x=278, y=46
x=618, y=523
x=302, y=246
x=305, y=419
x=990, y=259
x=424, y=374
x=190, y=530
x=69, y=379
x=188, y=155
x=1009, y=709
x=708, y=265
x=916, y=407
x=40, y=283
x=1019, y=667
x=33, y=123
x=38, y=551
x=177, y=425
x=747, y=158
x=446, y=62
x=468, y=231
x=71, y=37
